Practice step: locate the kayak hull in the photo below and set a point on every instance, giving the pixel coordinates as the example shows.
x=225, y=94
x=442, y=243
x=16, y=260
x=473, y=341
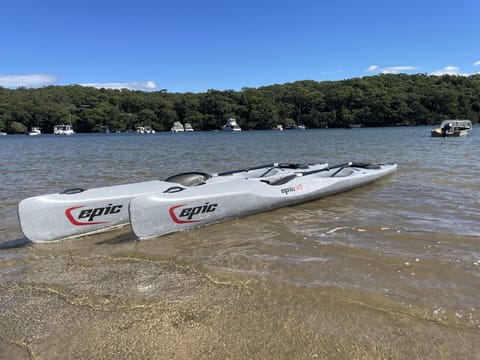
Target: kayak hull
x=79, y=212
x=157, y=214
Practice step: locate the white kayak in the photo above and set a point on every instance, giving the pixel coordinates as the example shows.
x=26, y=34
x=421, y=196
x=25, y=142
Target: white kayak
x=77, y=212
x=165, y=212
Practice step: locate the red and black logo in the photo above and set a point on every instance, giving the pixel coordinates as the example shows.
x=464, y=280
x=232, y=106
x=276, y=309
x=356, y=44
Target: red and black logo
x=289, y=189
x=184, y=215
x=87, y=216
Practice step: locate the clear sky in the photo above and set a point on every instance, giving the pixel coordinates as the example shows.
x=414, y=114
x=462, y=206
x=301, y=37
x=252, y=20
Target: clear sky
x=196, y=45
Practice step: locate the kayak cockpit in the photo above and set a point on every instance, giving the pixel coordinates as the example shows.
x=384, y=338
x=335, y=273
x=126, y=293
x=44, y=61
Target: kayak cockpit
x=189, y=178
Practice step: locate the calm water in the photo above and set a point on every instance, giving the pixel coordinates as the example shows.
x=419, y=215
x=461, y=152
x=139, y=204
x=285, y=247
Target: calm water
x=408, y=244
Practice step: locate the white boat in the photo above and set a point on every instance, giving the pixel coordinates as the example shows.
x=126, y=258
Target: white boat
x=63, y=130
x=295, y=127
x=188, y=127
x=145, y=130
x=231, y=125
x=452, y=128
x=177, y=127
x=186, y=208
x=35, y=131
x=3, y=133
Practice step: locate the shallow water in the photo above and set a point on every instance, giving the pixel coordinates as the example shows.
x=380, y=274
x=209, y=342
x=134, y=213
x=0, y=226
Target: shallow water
x=407, y=246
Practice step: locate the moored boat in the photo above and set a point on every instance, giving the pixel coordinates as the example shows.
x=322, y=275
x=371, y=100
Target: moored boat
x=63, y=129
x=145, y=130
x=186, y=208
x=295, y=127
x=231, y=125
x=34, y=131
x=452, y=128
x=149, y=130
x=177, y=127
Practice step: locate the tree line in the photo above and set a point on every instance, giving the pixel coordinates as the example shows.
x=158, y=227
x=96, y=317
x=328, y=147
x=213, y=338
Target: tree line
x=381, y=100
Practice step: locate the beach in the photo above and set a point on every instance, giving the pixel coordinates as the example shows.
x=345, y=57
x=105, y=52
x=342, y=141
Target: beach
x=80, y=305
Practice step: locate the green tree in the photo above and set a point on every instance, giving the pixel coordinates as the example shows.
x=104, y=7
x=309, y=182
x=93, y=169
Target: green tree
x=382, y=100
x=17, y=128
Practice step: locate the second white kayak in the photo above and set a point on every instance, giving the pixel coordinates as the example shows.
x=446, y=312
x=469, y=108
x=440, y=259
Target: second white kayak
x=161, y=213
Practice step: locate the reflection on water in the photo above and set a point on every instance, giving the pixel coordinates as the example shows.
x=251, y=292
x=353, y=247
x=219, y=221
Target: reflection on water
x=408, y=244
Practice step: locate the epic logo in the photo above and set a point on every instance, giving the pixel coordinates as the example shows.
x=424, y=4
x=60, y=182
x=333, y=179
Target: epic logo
x=298, y=187
x=91, y=214
x=187, y=213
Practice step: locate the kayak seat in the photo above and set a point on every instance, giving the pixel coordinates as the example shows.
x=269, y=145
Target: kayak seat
x=72, y=191
x=342, y=172
x=280, y=181
x=262, y=173
x=293, y=166
x=372, y=166
x=270, y=172
x=366, y=165
x=189, y=178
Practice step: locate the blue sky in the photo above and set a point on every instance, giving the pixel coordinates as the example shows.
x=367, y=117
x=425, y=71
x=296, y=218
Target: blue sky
x=193, y=46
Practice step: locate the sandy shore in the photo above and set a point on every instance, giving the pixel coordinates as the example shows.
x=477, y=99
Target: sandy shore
x=92, y=307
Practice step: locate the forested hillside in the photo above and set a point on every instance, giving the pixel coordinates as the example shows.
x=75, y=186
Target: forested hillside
x=383, y=100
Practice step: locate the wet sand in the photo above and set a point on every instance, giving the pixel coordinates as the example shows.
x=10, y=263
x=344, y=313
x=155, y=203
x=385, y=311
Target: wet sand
x=89, y=305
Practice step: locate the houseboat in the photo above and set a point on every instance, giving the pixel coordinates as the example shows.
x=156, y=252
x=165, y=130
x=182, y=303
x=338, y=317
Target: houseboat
x=63, y=130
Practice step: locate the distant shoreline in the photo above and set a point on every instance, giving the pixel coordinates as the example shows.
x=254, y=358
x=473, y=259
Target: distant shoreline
x=375, y=101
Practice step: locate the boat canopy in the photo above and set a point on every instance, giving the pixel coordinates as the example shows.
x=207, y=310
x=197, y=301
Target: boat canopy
x=462, y=124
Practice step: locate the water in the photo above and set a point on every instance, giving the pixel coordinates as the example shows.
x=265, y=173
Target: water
x=407, y=246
